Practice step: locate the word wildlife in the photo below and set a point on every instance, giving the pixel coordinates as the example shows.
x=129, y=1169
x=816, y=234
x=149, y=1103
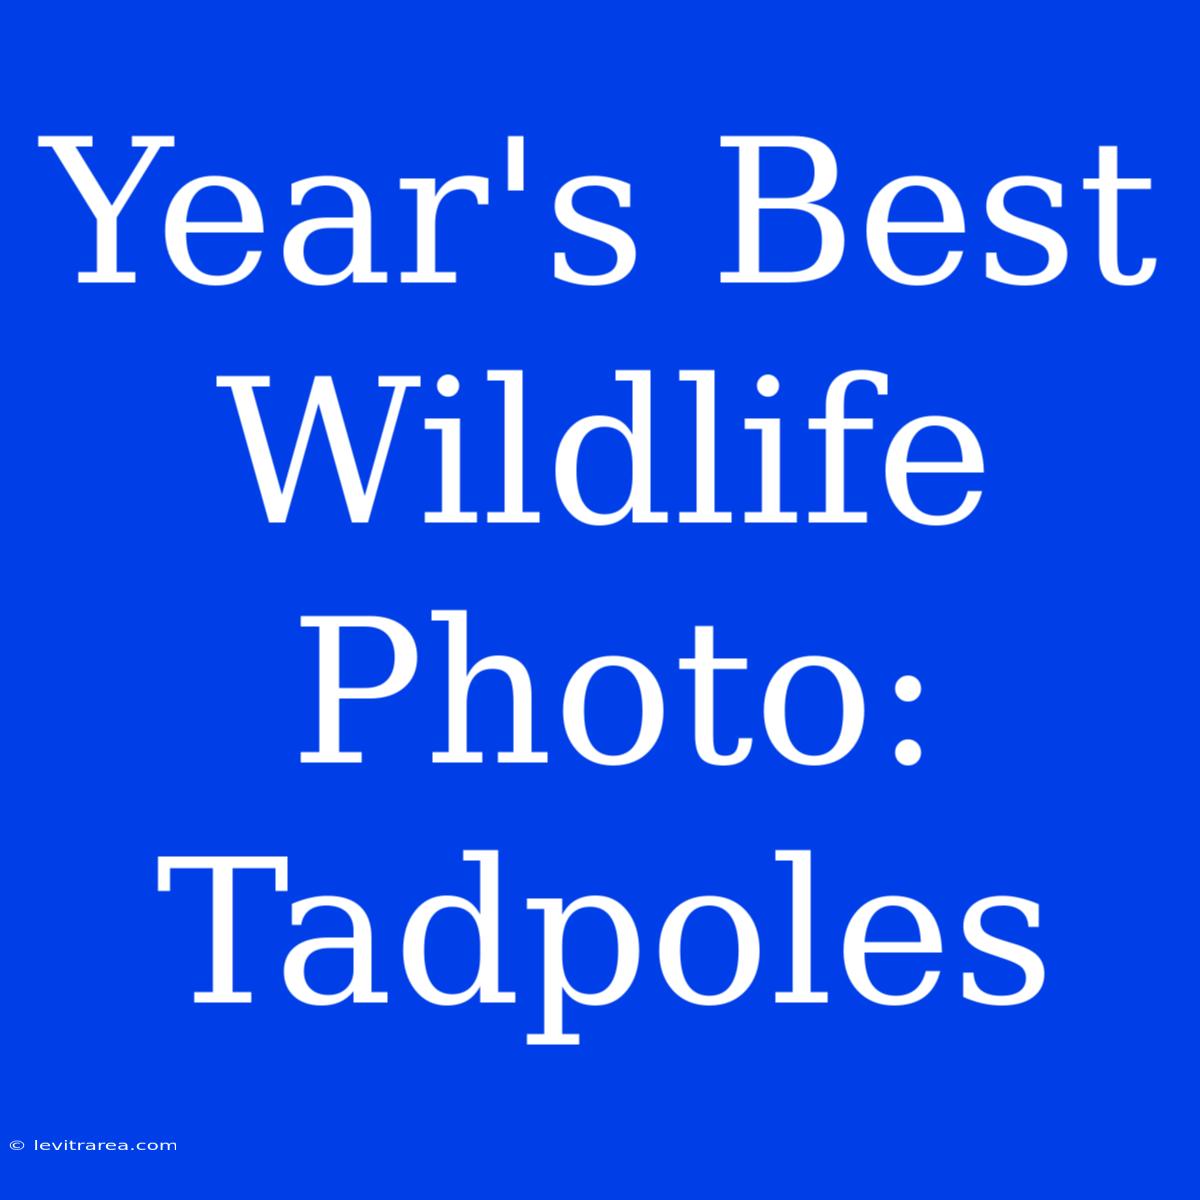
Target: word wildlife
x=833, y=426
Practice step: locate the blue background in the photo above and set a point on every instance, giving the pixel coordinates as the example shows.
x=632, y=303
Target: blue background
x=160, y=688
